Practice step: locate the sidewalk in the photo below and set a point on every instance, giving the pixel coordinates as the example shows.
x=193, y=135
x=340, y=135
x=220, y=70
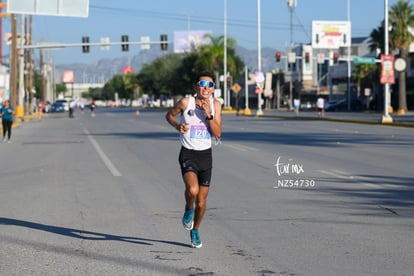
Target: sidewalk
x=367, y=117
x=18, y=120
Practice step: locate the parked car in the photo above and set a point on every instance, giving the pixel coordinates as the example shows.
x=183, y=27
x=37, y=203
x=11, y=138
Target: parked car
x=57, y=107
x=65, y=103
x=342, y=105
x=307, y=105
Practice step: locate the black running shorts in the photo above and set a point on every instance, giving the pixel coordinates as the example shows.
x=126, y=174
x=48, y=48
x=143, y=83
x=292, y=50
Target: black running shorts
x=198, y=161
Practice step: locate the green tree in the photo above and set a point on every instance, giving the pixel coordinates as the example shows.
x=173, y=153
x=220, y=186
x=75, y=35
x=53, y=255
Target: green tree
x=401, y=17
x=211, y=57
x=378, y=43
x=362, y=71
x=174, y=74
x=132, y=85
x=378, y=40
x=114, y=85
x=95, y=93
x=161, y=77
x=37, y=84
x=60, y=88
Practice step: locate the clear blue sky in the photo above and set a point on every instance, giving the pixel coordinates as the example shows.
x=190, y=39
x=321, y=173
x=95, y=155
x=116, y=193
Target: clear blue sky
x=136, y=18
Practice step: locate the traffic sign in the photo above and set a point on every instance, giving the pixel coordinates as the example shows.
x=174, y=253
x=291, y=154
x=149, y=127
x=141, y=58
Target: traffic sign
x=105, y=43
x=236, y=88
x=368, y=60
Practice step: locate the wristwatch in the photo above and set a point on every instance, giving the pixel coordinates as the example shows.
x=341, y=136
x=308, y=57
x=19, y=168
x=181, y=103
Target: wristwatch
x=209, y=118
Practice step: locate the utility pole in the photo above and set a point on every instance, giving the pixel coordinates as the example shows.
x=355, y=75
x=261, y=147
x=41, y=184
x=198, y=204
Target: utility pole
x=225, y=88
x=29, y=66
x=13, y=63
x=42, y=77
x=20, y=98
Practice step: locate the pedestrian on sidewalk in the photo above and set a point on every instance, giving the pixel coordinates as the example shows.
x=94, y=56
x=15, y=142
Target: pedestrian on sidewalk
x=41, y=109
x=320, y=106
x=296, y=105
x=6, y=113
x=200, y=121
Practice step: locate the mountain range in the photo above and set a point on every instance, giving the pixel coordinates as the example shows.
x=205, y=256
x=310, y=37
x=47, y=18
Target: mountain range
x=104, y=69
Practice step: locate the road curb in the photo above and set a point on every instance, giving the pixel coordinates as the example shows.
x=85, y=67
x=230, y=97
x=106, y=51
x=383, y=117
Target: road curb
x=330, y=119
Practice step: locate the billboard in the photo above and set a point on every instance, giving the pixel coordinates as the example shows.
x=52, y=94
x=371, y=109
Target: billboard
x=75, y=8
x=68, y=77
x=331, y=34
x=185, y=41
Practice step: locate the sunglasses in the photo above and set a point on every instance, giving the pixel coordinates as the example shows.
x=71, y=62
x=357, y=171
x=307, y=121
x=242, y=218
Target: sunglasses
x=204, y=83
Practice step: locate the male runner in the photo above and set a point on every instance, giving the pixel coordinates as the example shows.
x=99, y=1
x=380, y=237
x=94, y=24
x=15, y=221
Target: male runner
x=200, y=121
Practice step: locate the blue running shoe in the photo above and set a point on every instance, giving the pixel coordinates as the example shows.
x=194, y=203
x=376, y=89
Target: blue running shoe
x=188, y=219
x=195, y=239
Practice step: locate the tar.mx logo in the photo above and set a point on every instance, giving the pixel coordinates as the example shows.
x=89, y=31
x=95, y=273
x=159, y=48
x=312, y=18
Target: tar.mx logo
x=288, y=174
x=288, y=167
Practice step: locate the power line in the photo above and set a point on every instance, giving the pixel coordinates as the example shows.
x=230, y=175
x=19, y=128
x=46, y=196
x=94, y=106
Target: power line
x=183, y=18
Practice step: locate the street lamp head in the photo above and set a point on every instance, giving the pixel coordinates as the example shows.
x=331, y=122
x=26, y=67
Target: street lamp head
x=377, y=52
x=292, y=3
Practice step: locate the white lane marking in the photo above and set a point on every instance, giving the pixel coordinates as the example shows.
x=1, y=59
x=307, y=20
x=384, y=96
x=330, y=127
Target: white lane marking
x=111, y=167
x=239, y=147
x=365, y=178
x=343, y=175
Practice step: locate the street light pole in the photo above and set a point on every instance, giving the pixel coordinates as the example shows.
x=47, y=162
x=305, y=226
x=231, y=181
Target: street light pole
x=246, y=91
x=259, y=58
x=386, y=118
x=291, y=5
x=226, y=98
x=349, y=57
x=13, y=61
x=20, y=98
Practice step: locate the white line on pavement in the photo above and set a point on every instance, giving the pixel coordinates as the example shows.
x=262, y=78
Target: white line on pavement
x=111, y=167
x=239, y=147
x=344, y=175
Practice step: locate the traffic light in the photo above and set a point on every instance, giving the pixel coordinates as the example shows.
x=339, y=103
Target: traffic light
x=124, y=45
x=278, y=55
x=335, y=58
x=229, y=82
x=85, y=46
x=307, y=57
x=164, y=44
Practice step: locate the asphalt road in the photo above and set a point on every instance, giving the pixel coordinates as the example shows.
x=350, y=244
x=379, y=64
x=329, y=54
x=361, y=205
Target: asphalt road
x=104, y=196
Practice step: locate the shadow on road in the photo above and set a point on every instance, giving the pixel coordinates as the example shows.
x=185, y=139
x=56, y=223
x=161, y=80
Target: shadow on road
x=85, y=235
x=300, y=139
x=398, y=192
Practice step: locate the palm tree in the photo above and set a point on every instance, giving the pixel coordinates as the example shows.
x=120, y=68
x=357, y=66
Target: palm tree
x=377, y=43
x=212, y=56
x=401, y=17
x=362, y=71
x=377, y=37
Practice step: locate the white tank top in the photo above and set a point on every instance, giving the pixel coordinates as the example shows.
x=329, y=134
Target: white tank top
x=198, y=137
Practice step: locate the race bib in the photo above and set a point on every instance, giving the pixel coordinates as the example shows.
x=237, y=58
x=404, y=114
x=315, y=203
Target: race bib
x=199, y=132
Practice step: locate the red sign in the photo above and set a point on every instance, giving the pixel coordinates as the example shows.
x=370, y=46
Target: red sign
x=68, y=77
x=387, y=69
x=127, y=70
